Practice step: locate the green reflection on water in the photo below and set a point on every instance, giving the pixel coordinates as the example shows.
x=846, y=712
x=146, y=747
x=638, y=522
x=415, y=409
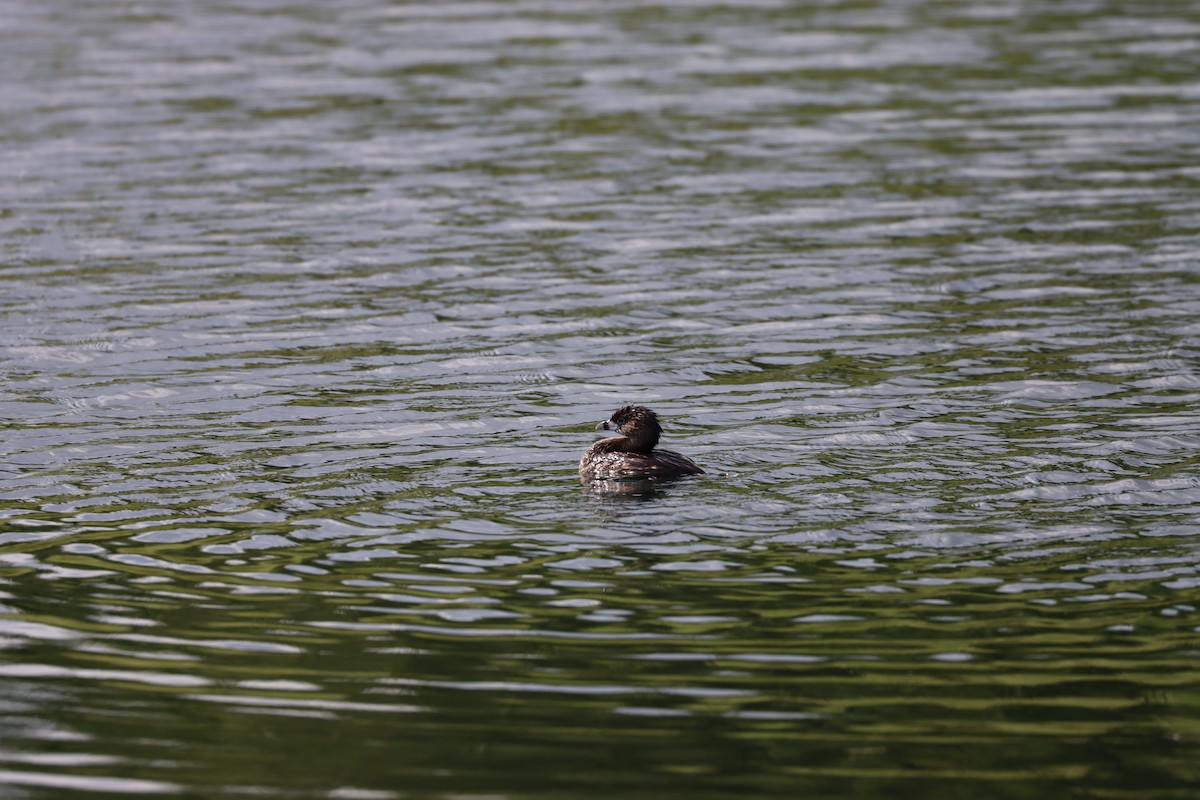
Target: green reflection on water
x=902, y=670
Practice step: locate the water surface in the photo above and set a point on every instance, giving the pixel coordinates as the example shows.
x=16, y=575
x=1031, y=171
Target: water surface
x=309, y=311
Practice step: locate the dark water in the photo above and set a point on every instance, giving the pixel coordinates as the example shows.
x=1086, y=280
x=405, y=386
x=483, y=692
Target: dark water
x=310, y=309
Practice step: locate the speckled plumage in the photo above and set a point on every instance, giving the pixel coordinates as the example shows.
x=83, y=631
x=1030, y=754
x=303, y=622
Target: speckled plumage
x=633, y=455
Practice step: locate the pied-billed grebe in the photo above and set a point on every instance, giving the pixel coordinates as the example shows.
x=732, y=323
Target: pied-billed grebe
x=631, y=456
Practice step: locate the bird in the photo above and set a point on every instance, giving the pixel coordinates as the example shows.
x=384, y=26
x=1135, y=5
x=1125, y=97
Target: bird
x=633, y=455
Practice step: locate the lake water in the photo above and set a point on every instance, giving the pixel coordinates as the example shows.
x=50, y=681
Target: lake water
x=309, y=310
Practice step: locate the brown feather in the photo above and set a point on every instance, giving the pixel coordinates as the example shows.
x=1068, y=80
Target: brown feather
x=633, y=455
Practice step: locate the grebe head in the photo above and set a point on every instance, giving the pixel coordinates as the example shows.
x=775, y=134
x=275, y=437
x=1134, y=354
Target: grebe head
x=638, y=424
